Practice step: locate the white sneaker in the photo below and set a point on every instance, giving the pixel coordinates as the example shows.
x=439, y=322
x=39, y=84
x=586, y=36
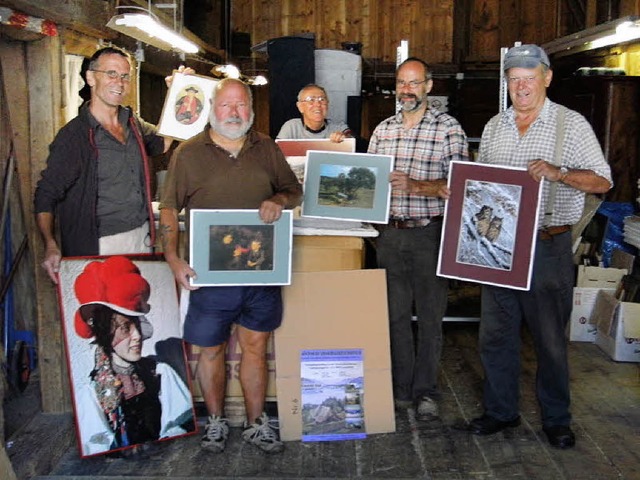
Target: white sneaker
x=262, y=434
x=427, y=407
x=215, y=435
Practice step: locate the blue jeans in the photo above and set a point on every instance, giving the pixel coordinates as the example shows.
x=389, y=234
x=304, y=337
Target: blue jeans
x=545, y=309
x=410, y=257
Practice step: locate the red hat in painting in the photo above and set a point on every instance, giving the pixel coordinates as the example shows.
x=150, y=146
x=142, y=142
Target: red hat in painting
x=115, y=283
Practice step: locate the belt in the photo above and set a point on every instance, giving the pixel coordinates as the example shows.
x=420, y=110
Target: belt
x=412, y=222
x=547, y=233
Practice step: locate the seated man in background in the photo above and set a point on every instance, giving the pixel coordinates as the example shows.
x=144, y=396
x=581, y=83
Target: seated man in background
x=313, y=104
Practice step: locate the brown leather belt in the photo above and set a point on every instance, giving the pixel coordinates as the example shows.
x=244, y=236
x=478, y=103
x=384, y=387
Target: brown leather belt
x=547, y=233
x=412, y=222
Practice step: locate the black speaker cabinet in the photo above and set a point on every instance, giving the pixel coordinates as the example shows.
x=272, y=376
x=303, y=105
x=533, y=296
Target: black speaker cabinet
x=291, y=67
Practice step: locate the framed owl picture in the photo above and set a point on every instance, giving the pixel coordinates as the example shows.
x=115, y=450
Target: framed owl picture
x=490, y=225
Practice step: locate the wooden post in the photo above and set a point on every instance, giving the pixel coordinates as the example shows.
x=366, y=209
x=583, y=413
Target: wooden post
x=31, y=77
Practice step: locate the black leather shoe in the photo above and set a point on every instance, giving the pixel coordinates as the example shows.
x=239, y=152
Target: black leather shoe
x=487, y=425
x=560, y=436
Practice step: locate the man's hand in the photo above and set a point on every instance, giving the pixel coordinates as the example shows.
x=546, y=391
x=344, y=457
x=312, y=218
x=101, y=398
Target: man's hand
x=51, y=263
x=183, y=272
x=540, y=169
x=270, y=210
x=181, y=69
x=337, y=137
x=400, y=181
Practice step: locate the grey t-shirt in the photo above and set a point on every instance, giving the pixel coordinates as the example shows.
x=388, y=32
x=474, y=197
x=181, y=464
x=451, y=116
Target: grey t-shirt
x=294, y=130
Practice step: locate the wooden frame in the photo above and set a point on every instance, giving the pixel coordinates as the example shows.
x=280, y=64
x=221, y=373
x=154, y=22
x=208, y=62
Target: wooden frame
x=490, y=225
x=347, y=186
x=235, y=247
x=187, y=106
x=93, y=374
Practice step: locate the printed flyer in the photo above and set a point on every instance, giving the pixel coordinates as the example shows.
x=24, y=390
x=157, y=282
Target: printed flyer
x=332, y=395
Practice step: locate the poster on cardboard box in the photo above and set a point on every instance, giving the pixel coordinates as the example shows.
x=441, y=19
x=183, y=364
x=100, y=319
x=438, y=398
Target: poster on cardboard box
x=332, y=395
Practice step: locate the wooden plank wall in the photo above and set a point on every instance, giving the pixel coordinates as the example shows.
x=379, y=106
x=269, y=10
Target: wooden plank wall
x=378, y=24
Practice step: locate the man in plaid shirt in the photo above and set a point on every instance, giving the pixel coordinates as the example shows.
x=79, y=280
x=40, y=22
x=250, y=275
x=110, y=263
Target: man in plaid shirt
x=423, y=141
x=525, y=136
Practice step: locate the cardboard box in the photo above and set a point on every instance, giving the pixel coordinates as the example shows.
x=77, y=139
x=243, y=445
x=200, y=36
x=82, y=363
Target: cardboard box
x=618, y=328
x=584, y=299
x=335, y=310
x=316, y=253
x=598, y=277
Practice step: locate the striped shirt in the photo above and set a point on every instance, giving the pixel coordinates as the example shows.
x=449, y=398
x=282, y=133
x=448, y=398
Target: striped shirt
x=424, y=152
x=501, y=144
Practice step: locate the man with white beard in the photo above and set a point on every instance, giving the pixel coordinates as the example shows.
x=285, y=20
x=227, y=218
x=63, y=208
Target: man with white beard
x=423, y=141
x=229, y=166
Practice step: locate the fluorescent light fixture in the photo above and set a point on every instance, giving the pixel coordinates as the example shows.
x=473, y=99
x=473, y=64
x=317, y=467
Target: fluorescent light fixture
x=147, y=29
x=610, y=33
x=625, y=32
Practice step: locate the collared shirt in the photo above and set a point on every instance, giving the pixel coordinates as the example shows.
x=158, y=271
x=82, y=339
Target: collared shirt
x=122, y=204
x=204, y=175
x=501, y=144
x=424, y=152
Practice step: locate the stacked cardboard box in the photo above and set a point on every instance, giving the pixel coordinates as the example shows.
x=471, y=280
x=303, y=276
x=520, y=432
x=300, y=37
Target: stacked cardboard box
x=618, y=327
x=591, y=280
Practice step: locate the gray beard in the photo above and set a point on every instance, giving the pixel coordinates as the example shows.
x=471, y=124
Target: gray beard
x=411, y=105
x=231, y=133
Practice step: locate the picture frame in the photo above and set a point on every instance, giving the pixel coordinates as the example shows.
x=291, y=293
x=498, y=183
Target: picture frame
x=295, y=151
x=235, y=247
x=153, y=350
x=347, y=186
x=186, y=107
x=490, y=225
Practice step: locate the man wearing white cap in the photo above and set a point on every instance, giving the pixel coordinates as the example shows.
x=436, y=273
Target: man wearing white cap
x=525, y=136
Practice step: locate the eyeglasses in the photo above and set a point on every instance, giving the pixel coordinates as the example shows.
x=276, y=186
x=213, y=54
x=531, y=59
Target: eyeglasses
x=411, y=84
x=322, y=100
x=526, y=80
x=112, y=74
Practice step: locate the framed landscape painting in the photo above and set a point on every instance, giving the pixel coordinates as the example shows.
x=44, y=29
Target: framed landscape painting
x=490, y=225
x=186, y=107
x=347, y=186
x=235, y=247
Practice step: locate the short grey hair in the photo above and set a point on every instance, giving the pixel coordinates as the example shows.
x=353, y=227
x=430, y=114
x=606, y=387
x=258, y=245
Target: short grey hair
x=309, y=86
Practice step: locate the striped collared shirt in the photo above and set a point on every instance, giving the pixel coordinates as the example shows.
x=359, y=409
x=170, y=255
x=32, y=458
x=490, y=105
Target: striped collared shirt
x=502, y=144
x=424, y=153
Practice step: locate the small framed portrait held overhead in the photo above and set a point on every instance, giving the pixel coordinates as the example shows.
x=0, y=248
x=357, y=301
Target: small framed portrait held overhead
x=125, y=355
x=235, y=247
x=187, y=106
x=490, y=225
x=295, y=151
x=347, y=186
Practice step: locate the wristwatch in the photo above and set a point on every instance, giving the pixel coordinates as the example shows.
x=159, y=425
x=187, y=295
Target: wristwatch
x=564, y=171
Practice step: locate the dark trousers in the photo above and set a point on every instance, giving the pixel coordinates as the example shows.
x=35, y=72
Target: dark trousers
x=545, y=309
x=410, y=257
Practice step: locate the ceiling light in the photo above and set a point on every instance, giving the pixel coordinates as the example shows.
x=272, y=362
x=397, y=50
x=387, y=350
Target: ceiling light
x=148, y=29
x=610, y=33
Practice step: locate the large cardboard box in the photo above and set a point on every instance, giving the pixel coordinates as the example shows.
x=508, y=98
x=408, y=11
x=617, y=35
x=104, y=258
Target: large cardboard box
x=319, y=253
x=335, y=310
x=584, y=299
x=618, y=328
x=598, y=277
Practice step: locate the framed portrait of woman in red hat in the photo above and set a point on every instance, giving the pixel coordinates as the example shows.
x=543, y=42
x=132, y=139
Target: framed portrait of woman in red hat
x=126, y=360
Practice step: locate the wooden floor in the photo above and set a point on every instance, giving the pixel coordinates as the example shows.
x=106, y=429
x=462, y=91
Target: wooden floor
x=606, y=410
